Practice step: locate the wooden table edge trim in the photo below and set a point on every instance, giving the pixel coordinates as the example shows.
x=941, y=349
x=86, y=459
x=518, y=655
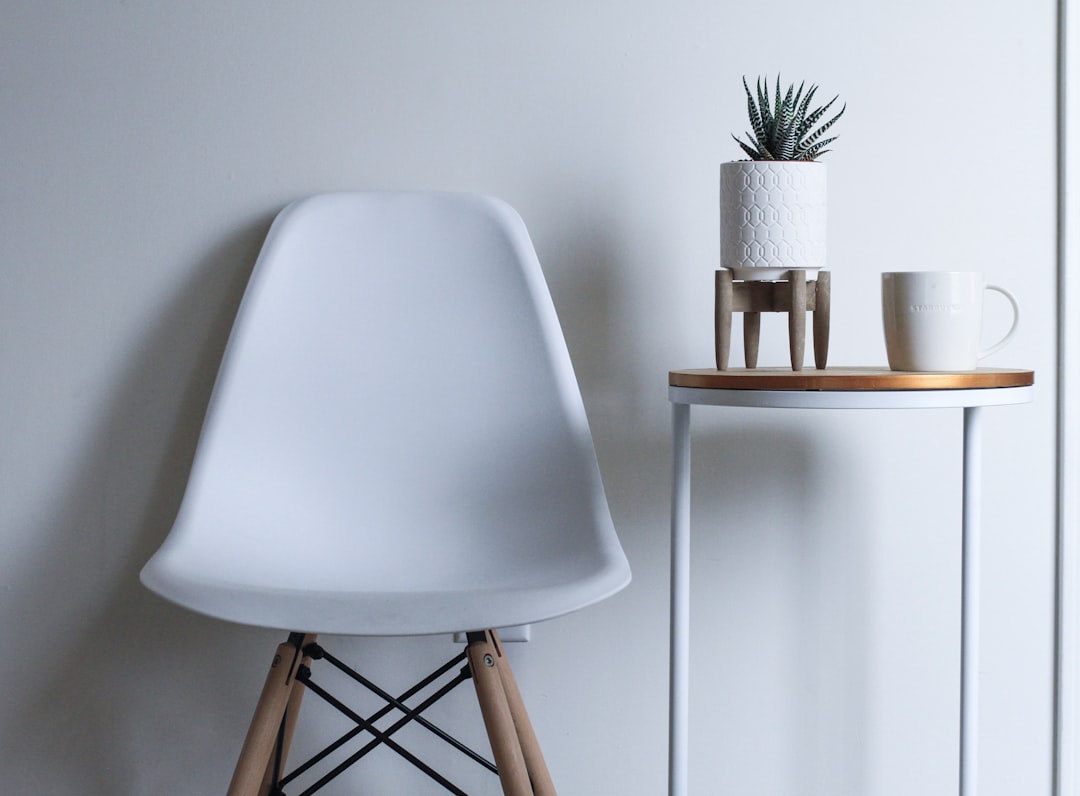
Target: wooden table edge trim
x=848, y=379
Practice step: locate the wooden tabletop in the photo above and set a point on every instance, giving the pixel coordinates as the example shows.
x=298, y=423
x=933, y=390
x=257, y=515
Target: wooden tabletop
x=848, y=379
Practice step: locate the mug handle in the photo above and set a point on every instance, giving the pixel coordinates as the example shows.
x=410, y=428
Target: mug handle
x=1012, y=329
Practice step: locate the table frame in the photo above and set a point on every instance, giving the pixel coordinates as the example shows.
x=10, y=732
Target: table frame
x=971, y=400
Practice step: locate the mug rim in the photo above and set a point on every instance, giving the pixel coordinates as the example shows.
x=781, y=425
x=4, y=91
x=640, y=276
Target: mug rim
x=932, y=271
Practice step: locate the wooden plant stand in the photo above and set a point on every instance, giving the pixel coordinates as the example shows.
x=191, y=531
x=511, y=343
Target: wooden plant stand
x=796, y=296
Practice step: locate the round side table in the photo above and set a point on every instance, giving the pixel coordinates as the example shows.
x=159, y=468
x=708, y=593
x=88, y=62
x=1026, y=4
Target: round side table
x=833, y=388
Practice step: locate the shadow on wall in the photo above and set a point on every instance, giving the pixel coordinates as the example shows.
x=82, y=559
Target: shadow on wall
x=781, y=630
x=579, y=255
x=113, y=679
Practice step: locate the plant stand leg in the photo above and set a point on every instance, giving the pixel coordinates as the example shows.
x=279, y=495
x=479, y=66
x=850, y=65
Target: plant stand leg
x=822, y=306
x=722, y=317
x=258, y=749
x=797, y=319
x=751, y=337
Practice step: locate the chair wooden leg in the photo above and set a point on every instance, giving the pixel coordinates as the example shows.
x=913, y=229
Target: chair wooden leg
x=292, y=713
x=530, y=746
x=486, y=661
x=258, y=749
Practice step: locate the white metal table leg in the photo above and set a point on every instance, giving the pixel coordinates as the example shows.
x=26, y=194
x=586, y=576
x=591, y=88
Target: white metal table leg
x=969, y=618
x=679, y=673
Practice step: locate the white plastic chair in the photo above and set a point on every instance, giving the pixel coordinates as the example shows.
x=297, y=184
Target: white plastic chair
x=395, y=445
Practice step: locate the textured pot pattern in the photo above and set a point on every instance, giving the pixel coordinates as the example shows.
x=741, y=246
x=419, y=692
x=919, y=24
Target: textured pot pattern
x=772, y=218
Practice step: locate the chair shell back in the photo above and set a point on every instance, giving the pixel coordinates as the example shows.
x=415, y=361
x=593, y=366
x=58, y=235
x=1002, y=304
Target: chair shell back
x=396, y=443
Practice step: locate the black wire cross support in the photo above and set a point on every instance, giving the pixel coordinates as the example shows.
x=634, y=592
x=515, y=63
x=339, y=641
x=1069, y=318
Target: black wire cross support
x=379, y=737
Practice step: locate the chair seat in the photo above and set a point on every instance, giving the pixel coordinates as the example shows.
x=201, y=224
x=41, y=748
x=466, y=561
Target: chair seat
x=410, y=580
x=391, y=612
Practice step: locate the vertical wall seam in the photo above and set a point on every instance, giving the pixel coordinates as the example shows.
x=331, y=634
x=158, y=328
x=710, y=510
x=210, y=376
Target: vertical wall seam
x=1065, y=602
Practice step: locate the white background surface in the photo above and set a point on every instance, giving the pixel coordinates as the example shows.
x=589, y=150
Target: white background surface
x=145, y=149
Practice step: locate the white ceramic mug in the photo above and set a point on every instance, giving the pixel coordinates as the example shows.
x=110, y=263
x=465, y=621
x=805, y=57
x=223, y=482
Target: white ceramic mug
x=933, y=319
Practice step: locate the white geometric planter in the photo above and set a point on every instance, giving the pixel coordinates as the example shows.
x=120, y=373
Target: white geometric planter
x=772, y=217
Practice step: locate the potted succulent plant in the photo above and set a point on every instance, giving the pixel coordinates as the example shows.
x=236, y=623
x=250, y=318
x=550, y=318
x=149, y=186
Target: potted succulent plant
x=772, y=206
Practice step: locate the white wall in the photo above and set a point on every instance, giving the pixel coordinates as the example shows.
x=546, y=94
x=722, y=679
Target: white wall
x=144, y=148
